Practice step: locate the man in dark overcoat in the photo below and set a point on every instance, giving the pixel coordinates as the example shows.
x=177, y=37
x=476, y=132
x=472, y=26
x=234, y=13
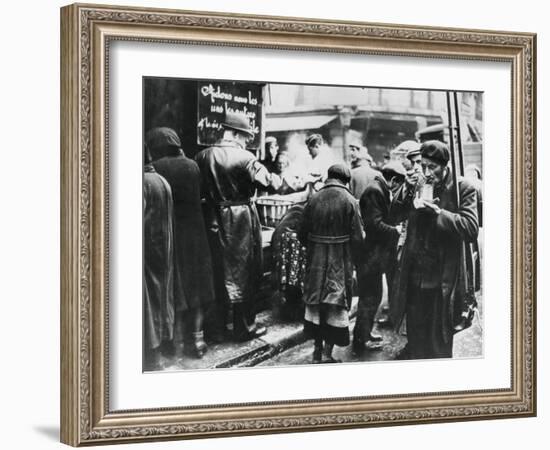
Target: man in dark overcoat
x=230, y=175
x=332, y=231
x=158, y=300
x=194, y=291
x=379, y=254
x=430, y=283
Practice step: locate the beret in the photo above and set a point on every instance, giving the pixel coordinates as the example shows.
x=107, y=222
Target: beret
x=436, y=151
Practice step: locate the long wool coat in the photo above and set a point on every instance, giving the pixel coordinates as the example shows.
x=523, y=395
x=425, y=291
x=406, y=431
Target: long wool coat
x=230, y=175
x=443, y=236
x=158, y=300
x=379, y=252
x=332, y=231
x=192, y=262
x=361, y=177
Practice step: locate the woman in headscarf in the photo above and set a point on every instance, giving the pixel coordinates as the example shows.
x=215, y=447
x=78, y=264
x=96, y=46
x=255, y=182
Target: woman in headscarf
x=193, y=285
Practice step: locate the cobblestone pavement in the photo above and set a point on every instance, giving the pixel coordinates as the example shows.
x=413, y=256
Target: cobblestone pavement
x=467, y=344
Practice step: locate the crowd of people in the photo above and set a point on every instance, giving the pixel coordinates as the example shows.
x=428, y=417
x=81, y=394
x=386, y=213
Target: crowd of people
x=408, y=223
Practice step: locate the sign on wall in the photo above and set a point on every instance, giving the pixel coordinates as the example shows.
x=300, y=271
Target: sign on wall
x=215, y=99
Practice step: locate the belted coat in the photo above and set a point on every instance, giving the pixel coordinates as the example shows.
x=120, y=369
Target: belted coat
x=230, y=175
x=332, y=231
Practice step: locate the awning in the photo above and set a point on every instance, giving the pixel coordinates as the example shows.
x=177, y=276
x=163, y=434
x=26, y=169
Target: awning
x=274, y=124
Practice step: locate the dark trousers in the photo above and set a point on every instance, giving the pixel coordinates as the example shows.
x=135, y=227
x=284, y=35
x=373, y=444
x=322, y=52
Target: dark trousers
x=390, y=276
x=426, y=337
x=370, y=296
x=244, y=319
x=241, y=315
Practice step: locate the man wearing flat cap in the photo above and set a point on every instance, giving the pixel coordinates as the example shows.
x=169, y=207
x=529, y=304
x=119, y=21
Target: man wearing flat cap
x=362, y=172
x=379, y=252
x=412, y=153
x=429, y=285
x=230, y=177
x=332, y=232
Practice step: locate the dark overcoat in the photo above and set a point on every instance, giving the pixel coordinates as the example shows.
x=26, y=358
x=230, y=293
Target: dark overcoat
x=448, y=231
x=380, y=235
x=230, y=175
x=332, y=232
x=158, y=300
x=192, y=262
x=361, y=177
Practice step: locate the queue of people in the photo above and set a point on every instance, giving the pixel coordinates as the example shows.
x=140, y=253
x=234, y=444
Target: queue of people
x=203, y=243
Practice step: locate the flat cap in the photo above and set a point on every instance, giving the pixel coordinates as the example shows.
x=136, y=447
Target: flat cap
x=395, y=167
x=340, y=172
x=436, y=151
x=162, y=137
x=410, y=148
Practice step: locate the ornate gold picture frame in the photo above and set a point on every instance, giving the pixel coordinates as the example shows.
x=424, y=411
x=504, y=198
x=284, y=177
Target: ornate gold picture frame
x=87, y=31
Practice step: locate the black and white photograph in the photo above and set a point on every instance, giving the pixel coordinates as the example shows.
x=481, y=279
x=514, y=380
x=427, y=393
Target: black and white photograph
x=296, y=224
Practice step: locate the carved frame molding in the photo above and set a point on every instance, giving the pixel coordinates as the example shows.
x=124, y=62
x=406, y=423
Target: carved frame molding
x=86, y=32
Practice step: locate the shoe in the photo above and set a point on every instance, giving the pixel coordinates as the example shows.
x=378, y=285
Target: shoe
x=403, y=354
x=167, y=349
x=465, y=320
x=255, y=333
x=462, y=325
x=331, y=360
x=197, y=347
x=373, y=345
x=317, y=354
x=375, y=338
x=384, y=321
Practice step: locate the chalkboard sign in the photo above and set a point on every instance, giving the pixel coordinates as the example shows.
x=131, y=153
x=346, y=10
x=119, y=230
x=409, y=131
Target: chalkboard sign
x=215, y=99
